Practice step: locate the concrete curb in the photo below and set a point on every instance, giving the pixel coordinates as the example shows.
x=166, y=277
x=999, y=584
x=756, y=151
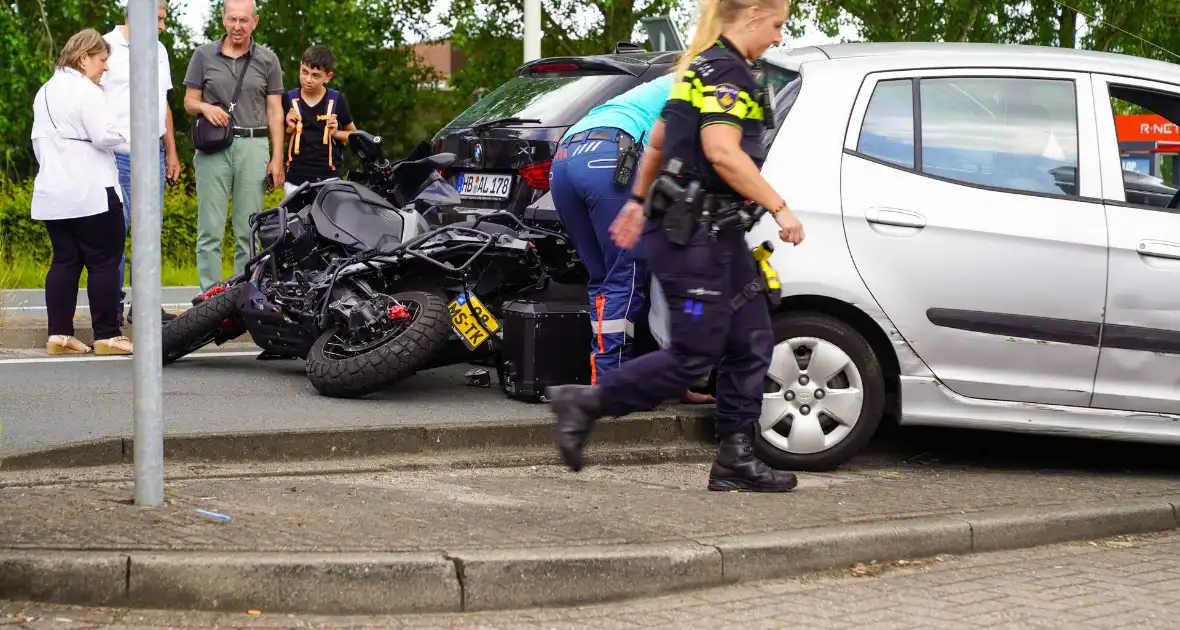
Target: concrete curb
x=642, y=430
x=29, y=338
x=34, y=338
x=475, y=580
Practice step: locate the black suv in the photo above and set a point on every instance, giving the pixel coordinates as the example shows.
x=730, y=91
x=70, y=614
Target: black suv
x=504, y=143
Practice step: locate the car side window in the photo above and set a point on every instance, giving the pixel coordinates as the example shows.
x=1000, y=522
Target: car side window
x=888, y=129
x=1013, y=133
x=1145, y=123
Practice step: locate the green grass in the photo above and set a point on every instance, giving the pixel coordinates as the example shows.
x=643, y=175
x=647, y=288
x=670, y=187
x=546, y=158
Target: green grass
x=28, y=274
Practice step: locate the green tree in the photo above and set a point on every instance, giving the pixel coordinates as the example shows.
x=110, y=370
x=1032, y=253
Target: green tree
x=490, y=32
x=32, y=33
x=1145, y=28
x=1148, y=28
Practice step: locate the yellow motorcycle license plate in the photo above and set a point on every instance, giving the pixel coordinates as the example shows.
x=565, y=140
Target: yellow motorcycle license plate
x=471, y=320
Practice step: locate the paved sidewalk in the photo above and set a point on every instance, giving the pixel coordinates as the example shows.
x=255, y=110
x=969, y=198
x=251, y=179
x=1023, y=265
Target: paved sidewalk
x=1125, y=582
x=19, y=331
x=493, y=508
x=411, y=534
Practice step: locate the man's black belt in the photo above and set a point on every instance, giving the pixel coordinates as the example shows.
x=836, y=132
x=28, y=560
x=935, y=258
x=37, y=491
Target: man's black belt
x=251, y=132
x=624, y=138
x=628, y=154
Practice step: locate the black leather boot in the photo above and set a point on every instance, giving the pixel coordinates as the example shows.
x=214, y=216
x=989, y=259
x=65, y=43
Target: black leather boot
x=577, y=407
x=737, y=468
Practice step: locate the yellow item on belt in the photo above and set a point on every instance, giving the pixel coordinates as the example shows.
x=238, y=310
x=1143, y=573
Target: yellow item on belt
x=762, y=254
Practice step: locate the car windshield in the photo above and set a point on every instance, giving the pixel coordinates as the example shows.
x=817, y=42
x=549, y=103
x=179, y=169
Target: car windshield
x=555, y=101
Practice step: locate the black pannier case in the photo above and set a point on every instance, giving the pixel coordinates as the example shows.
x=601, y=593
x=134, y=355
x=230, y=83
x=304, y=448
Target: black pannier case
x=544, y=344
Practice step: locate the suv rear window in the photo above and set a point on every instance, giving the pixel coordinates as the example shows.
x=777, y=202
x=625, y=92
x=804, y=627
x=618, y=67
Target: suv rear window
x=557, y=101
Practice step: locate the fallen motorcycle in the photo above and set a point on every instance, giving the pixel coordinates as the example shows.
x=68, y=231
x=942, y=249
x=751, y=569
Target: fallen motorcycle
x=358, y=284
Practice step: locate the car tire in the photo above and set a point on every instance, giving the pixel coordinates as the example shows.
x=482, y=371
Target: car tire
x=815, y=332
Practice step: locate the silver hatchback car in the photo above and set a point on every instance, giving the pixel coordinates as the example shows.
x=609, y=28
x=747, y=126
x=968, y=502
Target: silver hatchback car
x=976, y=255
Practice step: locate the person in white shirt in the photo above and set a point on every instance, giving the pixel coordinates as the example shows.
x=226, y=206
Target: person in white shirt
x=117, y=87
x=76, y=194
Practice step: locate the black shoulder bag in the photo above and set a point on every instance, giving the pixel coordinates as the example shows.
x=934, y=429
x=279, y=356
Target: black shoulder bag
x=208, y=138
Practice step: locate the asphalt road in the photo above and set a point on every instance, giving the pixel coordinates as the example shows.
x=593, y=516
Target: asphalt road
x=46, y=402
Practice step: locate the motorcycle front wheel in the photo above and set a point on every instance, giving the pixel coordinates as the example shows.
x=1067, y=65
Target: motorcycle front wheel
x=338, y=368
x=200, y=325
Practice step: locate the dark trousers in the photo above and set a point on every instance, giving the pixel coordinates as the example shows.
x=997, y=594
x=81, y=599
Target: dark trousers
x=96, y=243
x=699, y=280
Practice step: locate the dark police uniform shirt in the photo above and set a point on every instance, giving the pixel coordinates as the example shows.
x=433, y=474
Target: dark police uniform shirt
x=719, y=88
x=312, y=162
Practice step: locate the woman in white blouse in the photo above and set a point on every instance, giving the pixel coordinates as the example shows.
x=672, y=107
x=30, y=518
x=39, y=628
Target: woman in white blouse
x=77, y=195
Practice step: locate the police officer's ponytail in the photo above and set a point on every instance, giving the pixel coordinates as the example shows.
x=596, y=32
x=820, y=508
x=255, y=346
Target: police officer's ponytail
x=712, y=17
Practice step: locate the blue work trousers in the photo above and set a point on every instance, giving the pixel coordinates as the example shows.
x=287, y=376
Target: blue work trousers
x=124, y=164
x=587, y=202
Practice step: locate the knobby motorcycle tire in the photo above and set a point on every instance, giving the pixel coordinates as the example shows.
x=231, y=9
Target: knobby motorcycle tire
x=387, y=364
x=198, y=326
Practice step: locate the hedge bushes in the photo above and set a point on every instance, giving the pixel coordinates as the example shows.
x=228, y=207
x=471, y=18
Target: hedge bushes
x=22, y=238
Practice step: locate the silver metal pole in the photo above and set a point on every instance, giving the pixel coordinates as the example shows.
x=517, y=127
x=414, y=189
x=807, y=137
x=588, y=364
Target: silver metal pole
x=532, y=30
x=145, y=253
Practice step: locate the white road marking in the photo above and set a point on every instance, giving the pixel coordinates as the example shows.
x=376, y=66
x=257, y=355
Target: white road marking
x=92, y=357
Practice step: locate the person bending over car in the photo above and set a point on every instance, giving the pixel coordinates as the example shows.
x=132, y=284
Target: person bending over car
x=592, y=172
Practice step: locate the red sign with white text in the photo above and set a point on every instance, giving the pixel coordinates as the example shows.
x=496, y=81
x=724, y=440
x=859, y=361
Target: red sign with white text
x=1146, y=128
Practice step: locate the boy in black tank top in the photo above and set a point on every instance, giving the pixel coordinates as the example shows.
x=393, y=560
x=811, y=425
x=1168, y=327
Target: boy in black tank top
x=318, y=122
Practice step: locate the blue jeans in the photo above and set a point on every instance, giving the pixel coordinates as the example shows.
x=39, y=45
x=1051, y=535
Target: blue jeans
x=587, y=202
x=124, y=164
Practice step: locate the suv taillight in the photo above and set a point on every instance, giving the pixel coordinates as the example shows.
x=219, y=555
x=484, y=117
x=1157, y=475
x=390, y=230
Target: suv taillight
x=537, y=175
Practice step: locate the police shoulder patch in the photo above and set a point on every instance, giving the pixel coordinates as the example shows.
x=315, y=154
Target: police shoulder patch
x=727, y=96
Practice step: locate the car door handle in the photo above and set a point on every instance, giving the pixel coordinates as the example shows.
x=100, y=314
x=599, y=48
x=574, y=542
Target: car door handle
x=893, y=216
x=1160, y=249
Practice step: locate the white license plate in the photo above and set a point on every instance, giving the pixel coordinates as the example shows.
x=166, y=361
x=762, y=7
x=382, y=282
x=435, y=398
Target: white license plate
x=485, y=186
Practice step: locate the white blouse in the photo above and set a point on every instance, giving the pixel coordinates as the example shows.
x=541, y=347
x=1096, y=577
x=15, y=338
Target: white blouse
x=74, y=138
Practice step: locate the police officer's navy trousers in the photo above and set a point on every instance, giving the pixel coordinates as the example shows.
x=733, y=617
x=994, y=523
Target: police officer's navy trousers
x=587, y=202
x=699, y=280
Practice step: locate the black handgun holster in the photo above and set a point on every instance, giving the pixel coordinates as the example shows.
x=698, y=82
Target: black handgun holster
x=679, y=206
